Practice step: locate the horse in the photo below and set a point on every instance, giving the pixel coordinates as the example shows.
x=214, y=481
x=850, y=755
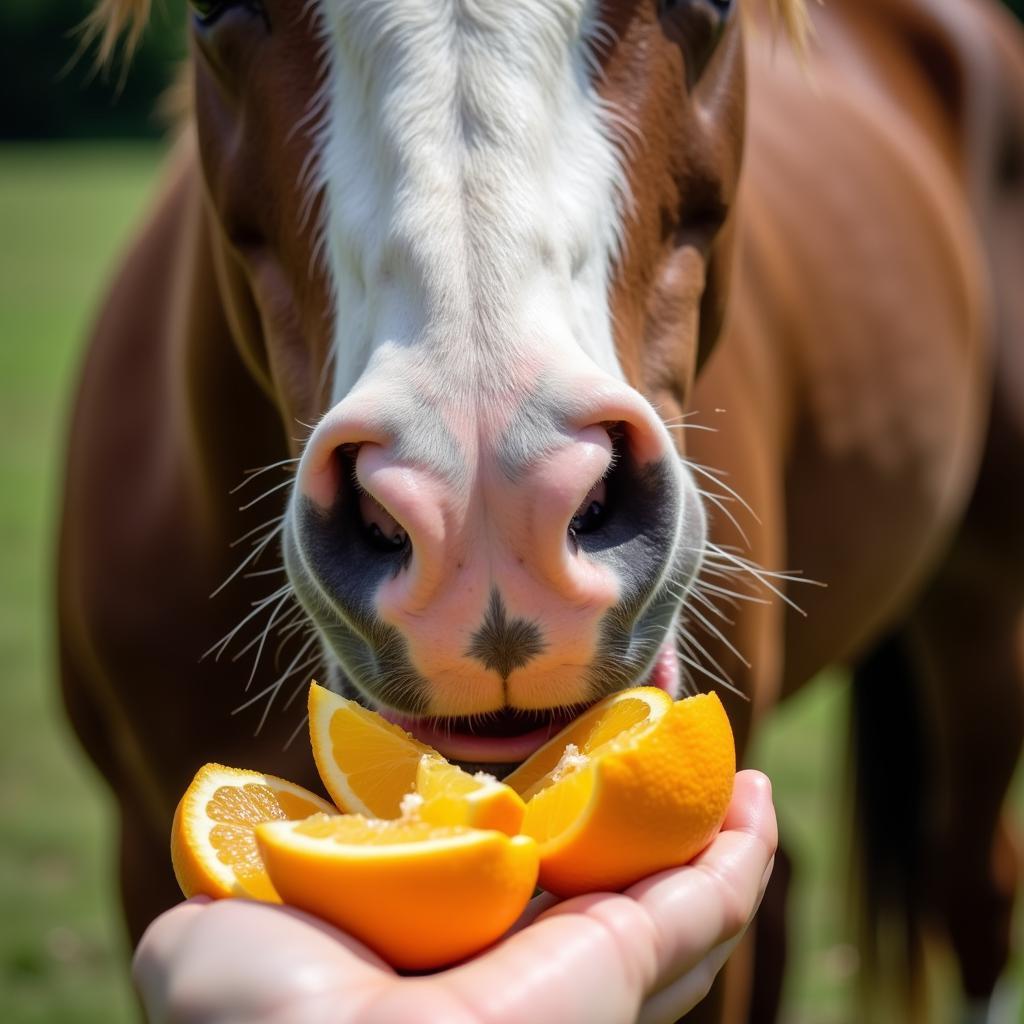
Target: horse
x=521, y=350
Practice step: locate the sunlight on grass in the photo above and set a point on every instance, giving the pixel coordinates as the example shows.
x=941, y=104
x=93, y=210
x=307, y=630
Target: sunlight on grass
x=64, y=213
x=804, y=749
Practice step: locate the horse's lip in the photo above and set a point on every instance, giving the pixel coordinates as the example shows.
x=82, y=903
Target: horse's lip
x=462, y=745
x=452, y=739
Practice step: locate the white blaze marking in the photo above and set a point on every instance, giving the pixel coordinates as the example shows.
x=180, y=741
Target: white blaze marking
x=472, y=188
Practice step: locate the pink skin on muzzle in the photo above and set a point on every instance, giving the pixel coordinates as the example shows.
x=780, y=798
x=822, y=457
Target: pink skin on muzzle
x=464, y=746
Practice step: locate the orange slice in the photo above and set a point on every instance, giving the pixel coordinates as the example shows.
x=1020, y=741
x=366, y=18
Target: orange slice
x=370, y=766
x=367, y=763
x=213, y=845
x=446, y=795
x=605, y=721
x=420, y=895
x=621, y=794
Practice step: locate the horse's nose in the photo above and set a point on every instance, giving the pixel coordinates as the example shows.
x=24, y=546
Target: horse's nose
x=545, y=496
x=386, y=509
x=583, y=500
x=565, y=500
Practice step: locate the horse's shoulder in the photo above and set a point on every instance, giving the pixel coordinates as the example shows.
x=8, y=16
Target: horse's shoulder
x=861, y=255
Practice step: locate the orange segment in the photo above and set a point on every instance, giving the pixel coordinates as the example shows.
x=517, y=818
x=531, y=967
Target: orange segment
x=615, y=809
x=367, y=763
x=446, y=795
x=419, y=895
x=635, y=785
x=605, y=721
x=213, y=844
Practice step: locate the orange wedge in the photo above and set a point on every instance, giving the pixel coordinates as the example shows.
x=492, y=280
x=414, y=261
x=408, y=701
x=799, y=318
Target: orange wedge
x=606, y=720
x=371, y=766
x=446, y=795
x=213, y=844
x=367, y=763
x=420, y=895
x=636, y=785
x=429, y=870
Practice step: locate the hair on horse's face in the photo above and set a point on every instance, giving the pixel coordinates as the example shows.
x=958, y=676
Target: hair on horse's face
x=484, y=251
x=112, y=19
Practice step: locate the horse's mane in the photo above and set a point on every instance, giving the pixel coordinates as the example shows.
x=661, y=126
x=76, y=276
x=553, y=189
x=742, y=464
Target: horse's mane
x=111, y=20
x=793, y=17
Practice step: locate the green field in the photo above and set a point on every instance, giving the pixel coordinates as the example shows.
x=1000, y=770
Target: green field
x=65, y=212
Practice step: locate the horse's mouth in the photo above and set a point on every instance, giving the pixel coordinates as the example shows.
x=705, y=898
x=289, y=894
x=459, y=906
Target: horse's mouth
x=508, y=736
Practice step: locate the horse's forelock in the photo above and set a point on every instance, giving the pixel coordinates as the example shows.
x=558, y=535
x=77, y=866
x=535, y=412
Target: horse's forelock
x=795, y=20
x=111, y=19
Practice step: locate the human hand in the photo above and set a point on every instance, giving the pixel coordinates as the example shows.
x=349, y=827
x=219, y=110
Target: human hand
x=648, y=954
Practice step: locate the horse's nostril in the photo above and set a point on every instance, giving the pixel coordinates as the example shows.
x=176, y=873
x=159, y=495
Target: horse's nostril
x=592, y=512
x=388, y=544
x=382, y=529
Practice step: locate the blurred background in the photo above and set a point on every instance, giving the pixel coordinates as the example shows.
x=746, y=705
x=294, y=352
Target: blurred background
x=79, y=155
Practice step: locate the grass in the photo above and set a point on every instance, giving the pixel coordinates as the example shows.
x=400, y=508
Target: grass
x=65, y=212
x=802, y=752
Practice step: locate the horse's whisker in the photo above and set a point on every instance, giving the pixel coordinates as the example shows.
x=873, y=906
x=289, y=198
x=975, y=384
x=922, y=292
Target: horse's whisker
x=680, y=418
x=704, y=600
x=263, y=572
x=275, y=686
x=764, y=577
x=222, y=644
x=305, y=667
x=719, y=502
x=692, y=642
x=689, y=660
x=252, y=474
x=718, y=634
x=294, y=736
x=707, y=474
x=255, y=640
x=319, y=657
x=691, y=426
x=263, y=639
x=256, y=529
x=733, y=575
x=266, y=494
x=253, y=555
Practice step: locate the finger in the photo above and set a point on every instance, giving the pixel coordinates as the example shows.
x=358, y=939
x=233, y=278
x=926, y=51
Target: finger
x=595, y=957
x=710, y=902
x=751, y=809
x=671, y=1002
x=157, y=948
x=750, y=813
x=569, y=966
x=245, y=959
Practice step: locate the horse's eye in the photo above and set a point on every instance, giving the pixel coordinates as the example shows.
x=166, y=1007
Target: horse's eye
x=696, y=26
x=668, y=6
x=208, y=11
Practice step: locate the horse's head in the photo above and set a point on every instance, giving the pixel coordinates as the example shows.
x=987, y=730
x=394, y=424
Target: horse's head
x=483, y=246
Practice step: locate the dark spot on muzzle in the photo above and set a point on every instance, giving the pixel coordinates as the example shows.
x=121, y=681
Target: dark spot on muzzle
x=502, y=643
